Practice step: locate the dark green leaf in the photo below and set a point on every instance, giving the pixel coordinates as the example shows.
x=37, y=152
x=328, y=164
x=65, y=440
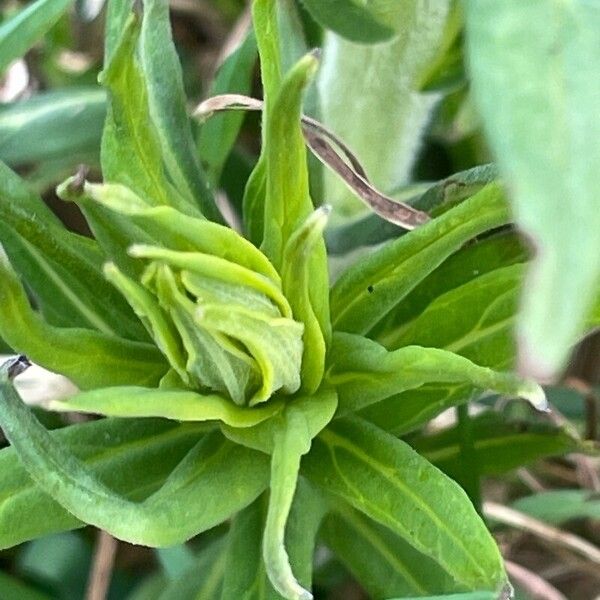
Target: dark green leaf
x=533, y=68
x=64, y=270
x=383, y=562
x=26, y=27
x=384, y=478
x=501, y=445
x=373, y=286
x=13, y=589
x=69, y=121
x=133, y=456
x=356, y=21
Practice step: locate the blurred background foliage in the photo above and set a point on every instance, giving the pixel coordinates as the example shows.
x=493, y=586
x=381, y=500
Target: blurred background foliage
x=51, y=118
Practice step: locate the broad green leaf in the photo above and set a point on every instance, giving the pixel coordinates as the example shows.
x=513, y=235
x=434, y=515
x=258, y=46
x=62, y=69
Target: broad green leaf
x=534, y=73
x=558, y=506
x=383, y=562
x=373, y=286
x=13, y=589
x=368, y=96
x=69, y=121
x=64, y=270
x=131, y=149
x=309, y=302
x=202, y=579
x=433, y=199
x=287, y=200
x=214, y=469
x=218, y=134
x=468, y=264
x=23, y=29
x=168, y=109
x=178, y=405
x=500, y=445
x=385, y=479
x=133, y=456
x=474, y=320
x=89, y=358
x=363, y=373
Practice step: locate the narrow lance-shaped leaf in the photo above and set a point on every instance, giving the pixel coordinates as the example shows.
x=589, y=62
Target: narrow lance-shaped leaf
x=131, y=149
x=23, y=29
x=89, y=358
x=298, y=285
x=133, y=456
x=63, y=269
x=214, y=468
x=384, y=478
x=179, y=405
x=365, y=372
x=534, y=70
x=287, y=200
x=367, y=291
x=167, y=105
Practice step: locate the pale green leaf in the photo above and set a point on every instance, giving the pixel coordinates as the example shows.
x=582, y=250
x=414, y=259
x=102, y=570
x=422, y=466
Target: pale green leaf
x=69, y=121
x=213, y=470
x=534, y=71
x=23, y=29
x=364, y=373
x=558, y=506
x=133, y=456
x=168, y=110
x=384, y=478
x=178, y=405
x=89, y=358
x=373, y=286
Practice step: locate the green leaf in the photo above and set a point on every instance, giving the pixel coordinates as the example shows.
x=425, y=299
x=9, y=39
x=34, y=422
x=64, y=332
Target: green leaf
x=214, y=469
x=287, y=200
x=373, y=286
x=218, y=134
x=368, y=96
x=558, y=506
x=501, y=445
x=466, y=596
x=202, y=579
x=287, y=436
x=178, y=405
x=89, y=358
x=468, y=264
x=245, y=576
x=64, y=270
x=357, y=21
x=22, y=30
x=434, y=199
x=13, y=589
x=133, y=456
x=69, y=121
x=533, y=68
x=363, y=372
x=309, y=295
x=383, y=562
x=131, y=148
x=385, y=479
x=167, y=103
